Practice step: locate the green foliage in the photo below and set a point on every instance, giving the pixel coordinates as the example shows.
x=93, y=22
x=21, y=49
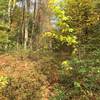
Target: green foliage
x=59, y=93
x=66, y=68
x=4, y=81
x=69, y=39
x=6, y=42
x=3, y=8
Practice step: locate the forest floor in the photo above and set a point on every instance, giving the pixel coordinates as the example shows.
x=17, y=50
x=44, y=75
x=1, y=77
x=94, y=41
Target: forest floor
x=12, y=65
x=16, y=68
x=27, y=71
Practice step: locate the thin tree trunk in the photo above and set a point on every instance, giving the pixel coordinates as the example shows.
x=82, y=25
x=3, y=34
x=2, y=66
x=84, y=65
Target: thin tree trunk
x=26, y=25
x=22, y=23
x=33, y=23
x=11, y=6
x=9, y=12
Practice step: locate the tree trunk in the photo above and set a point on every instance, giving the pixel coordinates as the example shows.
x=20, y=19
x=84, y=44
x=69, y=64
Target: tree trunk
x=26, y=25
x=11, y=6
x=9, y=13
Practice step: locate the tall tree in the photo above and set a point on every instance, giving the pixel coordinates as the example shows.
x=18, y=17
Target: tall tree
x=11, y=7
x=83, y=18
x=26, y=25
